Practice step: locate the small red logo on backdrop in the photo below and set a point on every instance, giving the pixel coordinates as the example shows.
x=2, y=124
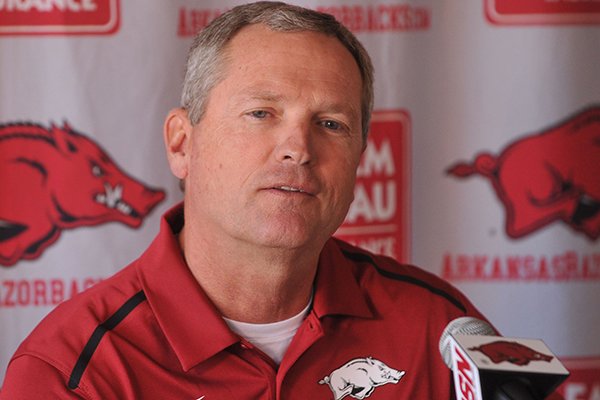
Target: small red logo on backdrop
x=547, y=177
x=56, y=179
x=533, y=12
x=378, y=219
x=584, y=378
x=54, y=17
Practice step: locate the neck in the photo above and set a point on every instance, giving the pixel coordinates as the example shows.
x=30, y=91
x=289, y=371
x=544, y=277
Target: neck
x=250, y=284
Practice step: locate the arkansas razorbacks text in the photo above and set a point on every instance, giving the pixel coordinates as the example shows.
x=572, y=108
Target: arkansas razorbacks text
x=566, y=266
x=41, y=292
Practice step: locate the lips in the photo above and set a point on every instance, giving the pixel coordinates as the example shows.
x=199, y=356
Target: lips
x=294, y=188
x=289, y=181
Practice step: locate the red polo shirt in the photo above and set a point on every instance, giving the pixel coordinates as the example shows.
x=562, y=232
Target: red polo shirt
x=150, y=332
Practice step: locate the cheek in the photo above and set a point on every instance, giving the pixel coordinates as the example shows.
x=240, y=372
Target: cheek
x=222, y=171
x=204, y=169
x=348, y=165
x=351, y=169
x=342, y=177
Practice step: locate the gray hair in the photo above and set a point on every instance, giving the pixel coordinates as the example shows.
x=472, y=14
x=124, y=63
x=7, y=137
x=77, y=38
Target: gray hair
x=206, y=58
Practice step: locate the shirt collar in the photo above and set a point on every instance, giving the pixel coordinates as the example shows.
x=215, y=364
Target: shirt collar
x=189, y=320
x=336, y=289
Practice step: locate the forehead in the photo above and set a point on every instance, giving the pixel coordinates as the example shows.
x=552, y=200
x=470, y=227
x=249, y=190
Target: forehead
x=259, y=39
x=257, y=56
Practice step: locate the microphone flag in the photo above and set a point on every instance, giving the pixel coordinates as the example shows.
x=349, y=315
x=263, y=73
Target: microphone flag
x=496, y=367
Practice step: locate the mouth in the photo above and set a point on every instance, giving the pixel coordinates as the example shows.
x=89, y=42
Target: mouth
x=289, y=189
x=292, y=189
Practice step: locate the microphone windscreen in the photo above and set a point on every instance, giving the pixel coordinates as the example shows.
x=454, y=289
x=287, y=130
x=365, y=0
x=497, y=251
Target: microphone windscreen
x=462, y=326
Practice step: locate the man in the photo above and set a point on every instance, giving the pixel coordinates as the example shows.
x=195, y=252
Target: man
x=244, y=294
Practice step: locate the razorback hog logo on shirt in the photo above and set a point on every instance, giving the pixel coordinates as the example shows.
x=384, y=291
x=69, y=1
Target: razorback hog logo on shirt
x=359, y=378
x=56, y=178
x=512, y=352
x=549, y=176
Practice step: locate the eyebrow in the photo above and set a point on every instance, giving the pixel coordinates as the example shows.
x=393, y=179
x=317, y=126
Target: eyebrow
x=344, y=108
x=269, y=95
x=254, y=94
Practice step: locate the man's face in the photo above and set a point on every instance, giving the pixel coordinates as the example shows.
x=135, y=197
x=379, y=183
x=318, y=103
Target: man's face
x=273, y=160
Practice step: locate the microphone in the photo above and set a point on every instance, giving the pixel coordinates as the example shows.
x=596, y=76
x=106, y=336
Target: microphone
x=491, y=367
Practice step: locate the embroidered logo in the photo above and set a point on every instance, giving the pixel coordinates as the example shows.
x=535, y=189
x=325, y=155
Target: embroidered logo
x=359, y=378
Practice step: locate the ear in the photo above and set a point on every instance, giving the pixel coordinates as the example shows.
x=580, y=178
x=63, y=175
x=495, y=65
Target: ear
x=176, y=134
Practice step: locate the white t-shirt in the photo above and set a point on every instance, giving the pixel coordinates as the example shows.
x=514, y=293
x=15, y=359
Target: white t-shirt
x=272, y=339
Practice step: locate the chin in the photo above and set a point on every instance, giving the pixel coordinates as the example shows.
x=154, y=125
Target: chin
x=287, y=238
x=283, y=241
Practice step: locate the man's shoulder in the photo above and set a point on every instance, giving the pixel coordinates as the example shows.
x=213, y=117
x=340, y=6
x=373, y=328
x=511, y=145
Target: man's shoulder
x=393, y=276
x=62, y=335
x=387, y=267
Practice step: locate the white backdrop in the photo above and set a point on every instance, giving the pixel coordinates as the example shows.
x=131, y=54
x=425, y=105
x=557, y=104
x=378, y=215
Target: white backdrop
x=453, y=80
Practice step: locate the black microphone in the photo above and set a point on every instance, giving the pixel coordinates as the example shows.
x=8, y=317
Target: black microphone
x=491, y=367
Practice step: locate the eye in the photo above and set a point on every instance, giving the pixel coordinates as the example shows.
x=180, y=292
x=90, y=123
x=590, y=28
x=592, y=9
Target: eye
x=259, y=114
x=97, y=170
x=331, y=125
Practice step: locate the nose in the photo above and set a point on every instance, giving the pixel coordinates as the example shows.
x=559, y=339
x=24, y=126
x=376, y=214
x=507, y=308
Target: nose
x=296, y=146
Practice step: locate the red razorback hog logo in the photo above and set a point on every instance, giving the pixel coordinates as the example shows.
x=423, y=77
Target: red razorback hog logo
x=57, y=178
x=512, y=352
x=546, y=177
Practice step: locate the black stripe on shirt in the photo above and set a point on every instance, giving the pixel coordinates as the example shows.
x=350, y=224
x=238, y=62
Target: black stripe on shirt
x=94, y=341
x=362, y=257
